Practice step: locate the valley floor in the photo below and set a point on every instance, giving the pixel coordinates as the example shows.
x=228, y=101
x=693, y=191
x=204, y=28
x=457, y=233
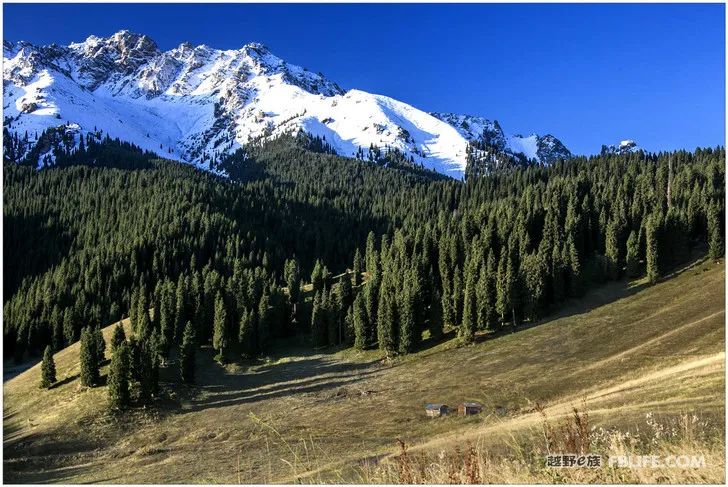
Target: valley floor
x=624, y=353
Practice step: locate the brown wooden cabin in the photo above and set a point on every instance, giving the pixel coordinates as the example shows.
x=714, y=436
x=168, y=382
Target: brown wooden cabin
x=468, y=408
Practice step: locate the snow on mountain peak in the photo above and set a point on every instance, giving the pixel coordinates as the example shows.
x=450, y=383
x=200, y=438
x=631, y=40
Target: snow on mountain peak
x=627, y=146
x=197, y=103
x=545, y=150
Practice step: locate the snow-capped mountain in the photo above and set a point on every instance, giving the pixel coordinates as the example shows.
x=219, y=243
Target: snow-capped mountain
x=544, y=149
x=196, y=103
x=624, y=147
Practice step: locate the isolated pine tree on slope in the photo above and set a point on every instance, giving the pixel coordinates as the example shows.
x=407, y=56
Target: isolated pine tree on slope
x=89, y=359
x=119, y=377
x=47, y=369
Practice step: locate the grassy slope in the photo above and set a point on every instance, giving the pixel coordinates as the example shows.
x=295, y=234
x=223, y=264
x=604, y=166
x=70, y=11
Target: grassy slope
x=622, y=351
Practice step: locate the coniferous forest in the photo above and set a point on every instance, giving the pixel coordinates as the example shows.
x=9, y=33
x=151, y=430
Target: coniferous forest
x=298, y=241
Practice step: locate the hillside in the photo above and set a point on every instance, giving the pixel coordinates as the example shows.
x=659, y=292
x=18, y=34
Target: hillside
x=621, y=352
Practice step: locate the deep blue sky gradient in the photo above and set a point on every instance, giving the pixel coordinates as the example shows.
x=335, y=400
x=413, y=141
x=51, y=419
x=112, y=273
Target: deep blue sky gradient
x=589, y=74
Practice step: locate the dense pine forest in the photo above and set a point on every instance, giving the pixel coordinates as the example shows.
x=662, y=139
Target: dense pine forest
x=111, y=232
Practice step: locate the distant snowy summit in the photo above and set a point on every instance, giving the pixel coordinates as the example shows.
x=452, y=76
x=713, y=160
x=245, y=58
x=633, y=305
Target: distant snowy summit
x=624, y=147
x=196, y=104
x=542, y=149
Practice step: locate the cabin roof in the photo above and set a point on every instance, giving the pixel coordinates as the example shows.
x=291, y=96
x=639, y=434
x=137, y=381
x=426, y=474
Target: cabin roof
x=434, y=406
x=471, y=404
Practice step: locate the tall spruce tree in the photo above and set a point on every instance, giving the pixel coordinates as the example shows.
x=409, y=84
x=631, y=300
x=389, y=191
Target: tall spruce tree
x=247, y=336
x=458, y=295
x=149, y=374
x=408, y=331
x=333, y=318
x=470, y=303
x=319, y=276
x=100, y=344
x=144, y=322
x=219, y=337
x=292, y=276
x=187, y=354
x=715, y=238
x=47, y=369
x=503, y=304
x=119, y=396
x=349, y=326
x=318, y=320
x=572, y=257
x=69, y=326
x=358, y=267
x=486, y=294
x=361, y=323
x=612, y=251
x=371, y=256
x=133, y=309
x=182, y=308
x=88, y=358
x=534, y=271
x=166, y=318
x=652, y=248
x=633, y=262
x=118, y=337
x=58, y=338
x=265, y=321
x=512, y=280
x=344, y=292
x=371, y=299
x=387, y=321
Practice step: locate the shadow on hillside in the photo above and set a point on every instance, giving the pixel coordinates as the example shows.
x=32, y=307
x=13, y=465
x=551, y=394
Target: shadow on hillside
x=38, y=471
x=305, y=375
x=31, y=458
x=12, y=369
x=65, y=381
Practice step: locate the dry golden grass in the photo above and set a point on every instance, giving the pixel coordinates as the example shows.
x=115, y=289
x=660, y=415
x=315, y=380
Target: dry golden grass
x=523, y=461
x=622, y=352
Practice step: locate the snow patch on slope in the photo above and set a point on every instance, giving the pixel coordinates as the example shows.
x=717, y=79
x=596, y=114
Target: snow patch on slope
x=524, y=145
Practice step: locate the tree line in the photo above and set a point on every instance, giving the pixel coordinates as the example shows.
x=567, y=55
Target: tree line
x=222, y=260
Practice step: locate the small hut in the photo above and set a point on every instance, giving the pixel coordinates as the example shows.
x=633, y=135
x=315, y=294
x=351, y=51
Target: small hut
x=468, y=408
x=436, y=410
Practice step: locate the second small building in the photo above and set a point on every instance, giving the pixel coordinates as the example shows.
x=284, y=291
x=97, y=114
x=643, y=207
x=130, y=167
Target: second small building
x=468, y=408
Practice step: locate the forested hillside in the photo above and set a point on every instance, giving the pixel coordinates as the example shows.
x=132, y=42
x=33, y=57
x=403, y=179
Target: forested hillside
x=95, y=239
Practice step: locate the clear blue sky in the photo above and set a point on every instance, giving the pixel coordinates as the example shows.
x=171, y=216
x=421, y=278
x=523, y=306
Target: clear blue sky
x=589, y=74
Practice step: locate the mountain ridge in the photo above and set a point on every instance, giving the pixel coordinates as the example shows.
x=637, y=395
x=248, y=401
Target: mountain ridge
x=197, y=103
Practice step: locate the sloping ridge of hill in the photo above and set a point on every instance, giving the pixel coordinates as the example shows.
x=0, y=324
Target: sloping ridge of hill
x=623, y=351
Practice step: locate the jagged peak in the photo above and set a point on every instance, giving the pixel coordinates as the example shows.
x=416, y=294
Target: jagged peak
x=256, y=46
x=626, y=146
x=123, y=41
